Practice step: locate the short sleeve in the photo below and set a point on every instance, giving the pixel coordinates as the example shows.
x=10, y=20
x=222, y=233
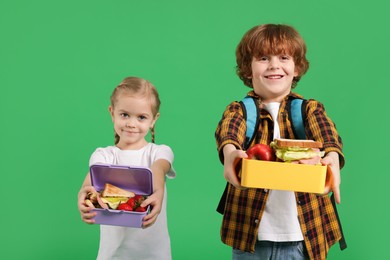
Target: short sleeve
x=166, y=153
x=102, y=156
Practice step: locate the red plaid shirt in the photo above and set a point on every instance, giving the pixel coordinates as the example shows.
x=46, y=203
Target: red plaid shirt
x=244, y=208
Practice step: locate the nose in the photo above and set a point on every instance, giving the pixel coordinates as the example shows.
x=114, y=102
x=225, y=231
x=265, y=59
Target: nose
x=130, y=123
x=274, y=63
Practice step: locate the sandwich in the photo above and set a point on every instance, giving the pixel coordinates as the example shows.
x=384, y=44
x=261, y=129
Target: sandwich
x=116, y=192
x=113, y=195
x=298, y=151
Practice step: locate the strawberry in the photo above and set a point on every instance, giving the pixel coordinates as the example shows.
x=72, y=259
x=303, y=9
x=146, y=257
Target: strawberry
x=125, y=206
x=140, y=209
x=131, y=202
x=139, y=198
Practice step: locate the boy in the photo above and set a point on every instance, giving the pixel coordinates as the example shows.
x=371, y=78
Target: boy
x=260, y=223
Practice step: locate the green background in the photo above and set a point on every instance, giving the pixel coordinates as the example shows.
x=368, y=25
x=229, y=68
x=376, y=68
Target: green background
x=60, y=60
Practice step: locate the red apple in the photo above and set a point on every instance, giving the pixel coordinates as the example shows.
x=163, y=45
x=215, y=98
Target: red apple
x=261, y=152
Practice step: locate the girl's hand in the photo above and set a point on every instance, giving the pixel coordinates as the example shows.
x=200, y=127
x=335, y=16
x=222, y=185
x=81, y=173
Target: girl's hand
x=332, y=159
x=232, y=158
x=159, y=168
x=86, y=211
x=155, y=201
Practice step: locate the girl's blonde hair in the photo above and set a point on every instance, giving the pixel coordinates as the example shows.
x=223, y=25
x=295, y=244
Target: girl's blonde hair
x=140, y=87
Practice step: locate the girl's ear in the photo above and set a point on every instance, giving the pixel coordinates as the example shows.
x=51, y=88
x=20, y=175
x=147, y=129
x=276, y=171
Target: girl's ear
x=111, y=110
x=155, y=119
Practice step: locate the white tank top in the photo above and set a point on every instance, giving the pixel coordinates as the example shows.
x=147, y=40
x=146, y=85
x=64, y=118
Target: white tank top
x=280, y=218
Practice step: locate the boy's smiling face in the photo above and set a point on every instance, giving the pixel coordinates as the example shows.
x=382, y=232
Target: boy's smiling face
x=272, y=76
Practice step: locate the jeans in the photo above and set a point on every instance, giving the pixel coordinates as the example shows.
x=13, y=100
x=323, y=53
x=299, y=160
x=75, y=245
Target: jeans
x=274, y=251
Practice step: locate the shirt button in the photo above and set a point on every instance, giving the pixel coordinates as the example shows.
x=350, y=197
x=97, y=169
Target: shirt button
x=256, y=221
x=299, y=202
x=265, y=190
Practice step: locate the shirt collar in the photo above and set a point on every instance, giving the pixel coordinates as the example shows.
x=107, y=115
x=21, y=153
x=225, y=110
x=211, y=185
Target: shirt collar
x=291, y=95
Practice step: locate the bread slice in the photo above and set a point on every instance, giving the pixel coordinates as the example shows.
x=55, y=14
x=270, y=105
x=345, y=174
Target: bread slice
x=280, y=143
x=114, y=191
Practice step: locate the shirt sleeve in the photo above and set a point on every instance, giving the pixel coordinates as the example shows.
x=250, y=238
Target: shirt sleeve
x=231, y=128
x=165, y=152
x=100, y=156
x=321, y=128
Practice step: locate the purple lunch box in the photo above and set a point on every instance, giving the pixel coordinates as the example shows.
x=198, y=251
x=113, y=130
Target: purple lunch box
x=136, y=179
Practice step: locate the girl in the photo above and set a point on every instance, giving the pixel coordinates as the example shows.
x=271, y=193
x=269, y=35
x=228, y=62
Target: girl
x=134, y=111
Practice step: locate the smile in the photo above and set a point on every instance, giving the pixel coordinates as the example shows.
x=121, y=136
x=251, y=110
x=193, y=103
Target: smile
x=274, y=76
x=130, y=132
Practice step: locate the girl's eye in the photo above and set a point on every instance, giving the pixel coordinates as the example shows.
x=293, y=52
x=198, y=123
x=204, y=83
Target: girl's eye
x=142, y=117
x=124, y=115
x=264, y=58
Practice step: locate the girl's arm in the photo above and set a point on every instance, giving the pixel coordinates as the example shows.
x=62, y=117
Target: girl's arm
x=85, y=210
x=159, y=168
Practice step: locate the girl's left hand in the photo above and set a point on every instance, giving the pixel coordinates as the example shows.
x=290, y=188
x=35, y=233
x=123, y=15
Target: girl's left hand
x=155, y=202
x=332, y=160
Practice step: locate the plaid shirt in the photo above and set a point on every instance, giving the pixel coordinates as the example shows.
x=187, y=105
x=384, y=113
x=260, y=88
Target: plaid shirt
x=244, y=208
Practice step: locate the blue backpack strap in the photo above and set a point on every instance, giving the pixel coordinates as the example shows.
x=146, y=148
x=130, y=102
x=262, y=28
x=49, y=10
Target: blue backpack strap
x=251, y=114
x=296, y=117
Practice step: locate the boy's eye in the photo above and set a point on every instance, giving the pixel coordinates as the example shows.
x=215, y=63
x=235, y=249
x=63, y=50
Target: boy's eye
x=142, y=117
x=264, y=58
x=124, y=115
x=285, y=57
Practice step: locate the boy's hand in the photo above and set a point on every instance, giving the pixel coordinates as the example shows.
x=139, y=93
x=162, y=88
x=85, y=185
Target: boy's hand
x=155, y=201
x=85, y=211
x=232, y=158
x=332, y=159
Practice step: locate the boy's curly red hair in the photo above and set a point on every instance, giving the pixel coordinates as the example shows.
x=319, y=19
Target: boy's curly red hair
x=269, y=39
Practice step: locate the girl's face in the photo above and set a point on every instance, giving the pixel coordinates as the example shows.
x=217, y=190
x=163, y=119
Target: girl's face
x=132, y=117
x=272, y=76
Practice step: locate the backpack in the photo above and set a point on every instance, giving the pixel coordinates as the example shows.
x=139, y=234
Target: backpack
x=251, y=115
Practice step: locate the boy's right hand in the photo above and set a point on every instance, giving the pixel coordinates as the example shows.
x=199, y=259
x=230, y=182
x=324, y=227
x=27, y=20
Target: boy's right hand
x=232, y=158
x=87, y=215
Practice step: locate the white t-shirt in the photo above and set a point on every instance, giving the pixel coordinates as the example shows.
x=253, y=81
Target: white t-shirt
x=136, y=243
x=280, y=218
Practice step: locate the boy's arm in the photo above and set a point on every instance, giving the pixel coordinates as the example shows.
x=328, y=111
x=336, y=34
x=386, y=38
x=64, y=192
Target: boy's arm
x=323, y=129
x=159, y=168
x=232, y=157
x=230, y=135
x=231, y=129
x=332, y=159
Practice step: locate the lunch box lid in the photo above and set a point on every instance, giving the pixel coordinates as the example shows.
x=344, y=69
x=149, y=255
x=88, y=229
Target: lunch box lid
x=132, y=178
